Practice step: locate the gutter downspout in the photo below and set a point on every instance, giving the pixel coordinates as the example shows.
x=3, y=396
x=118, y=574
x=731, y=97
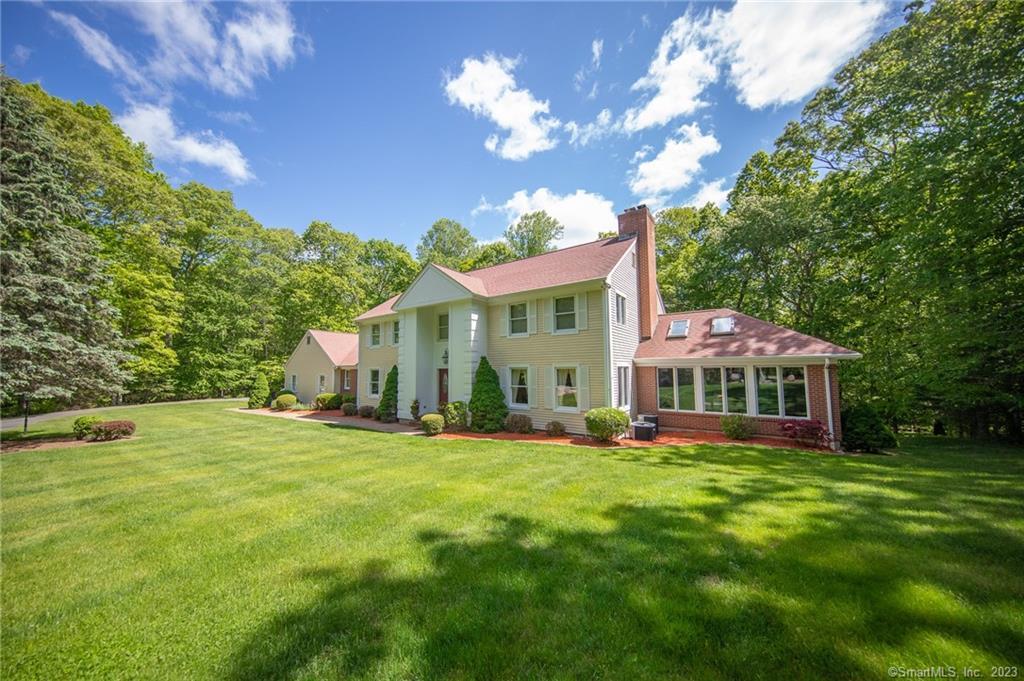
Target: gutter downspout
x=828, y=404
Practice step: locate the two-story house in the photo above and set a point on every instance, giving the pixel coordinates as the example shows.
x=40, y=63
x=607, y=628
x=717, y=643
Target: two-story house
x=585, y=327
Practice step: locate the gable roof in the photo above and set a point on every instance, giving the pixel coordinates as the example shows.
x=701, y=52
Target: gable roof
x=751, y=337
x=572, y=265
x=341, y=348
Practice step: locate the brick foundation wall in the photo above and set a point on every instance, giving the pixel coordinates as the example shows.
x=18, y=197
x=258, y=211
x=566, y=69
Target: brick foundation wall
x=647, y=401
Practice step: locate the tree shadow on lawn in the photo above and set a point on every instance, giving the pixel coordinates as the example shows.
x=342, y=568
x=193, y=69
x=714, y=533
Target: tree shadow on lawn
x=840, y=584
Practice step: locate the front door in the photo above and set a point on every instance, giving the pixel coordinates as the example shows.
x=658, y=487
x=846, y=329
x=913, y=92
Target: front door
x=442, y=386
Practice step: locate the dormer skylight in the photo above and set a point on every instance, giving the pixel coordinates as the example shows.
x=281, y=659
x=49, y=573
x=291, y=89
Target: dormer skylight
x=679, y=328
x=723, y=326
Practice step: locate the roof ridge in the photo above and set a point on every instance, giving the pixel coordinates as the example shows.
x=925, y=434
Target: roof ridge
x=557, y=250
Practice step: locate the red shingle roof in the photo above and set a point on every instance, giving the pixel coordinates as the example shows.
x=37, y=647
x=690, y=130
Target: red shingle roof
x=585, y=262
x=752, y=337
x=342, y=348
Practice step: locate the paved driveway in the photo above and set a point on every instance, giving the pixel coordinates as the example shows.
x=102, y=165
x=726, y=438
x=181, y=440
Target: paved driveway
x=16, y=422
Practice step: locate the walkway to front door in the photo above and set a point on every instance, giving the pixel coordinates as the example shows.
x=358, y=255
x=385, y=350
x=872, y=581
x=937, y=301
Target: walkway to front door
x=442, y=386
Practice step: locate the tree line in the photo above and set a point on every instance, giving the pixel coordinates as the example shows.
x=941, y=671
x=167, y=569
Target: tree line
x=887, y=219
x=119, y=287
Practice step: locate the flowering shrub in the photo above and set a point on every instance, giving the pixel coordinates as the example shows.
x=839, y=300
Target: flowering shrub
x=807, y=431
x=112, y=430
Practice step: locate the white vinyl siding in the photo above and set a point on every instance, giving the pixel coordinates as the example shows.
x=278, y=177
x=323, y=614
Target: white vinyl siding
x=622, y=338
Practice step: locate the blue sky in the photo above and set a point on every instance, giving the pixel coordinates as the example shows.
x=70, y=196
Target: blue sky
x=381, y=118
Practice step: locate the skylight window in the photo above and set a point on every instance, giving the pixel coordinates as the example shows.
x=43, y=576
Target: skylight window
x=679, y=328
x=723, y=326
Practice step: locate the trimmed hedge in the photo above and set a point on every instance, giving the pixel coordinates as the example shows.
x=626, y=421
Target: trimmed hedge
x=259, y=391
x=456, y=415
x=607, y=423
x=367, y=410
x=738, y=427
x=864, y=430
x=432, y=424
x=349, y=409
x=285, y=402
x=348, y=399
x=487, y=404
x=387, y=410
x=112, y=430
x=518, y=423
x=555, y=428
x=82, y=426
x=327, y=401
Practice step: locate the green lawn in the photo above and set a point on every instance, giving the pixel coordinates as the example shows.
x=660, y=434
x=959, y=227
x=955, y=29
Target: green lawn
x=227, y=545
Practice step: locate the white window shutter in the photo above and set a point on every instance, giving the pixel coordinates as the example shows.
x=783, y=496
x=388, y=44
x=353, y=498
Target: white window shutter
x=503, y=326
x=531, y=386
x=550, y=387
x=503, y=381
x=550, y=302
x=581, y=311
x=583, y=381
x=531, y=316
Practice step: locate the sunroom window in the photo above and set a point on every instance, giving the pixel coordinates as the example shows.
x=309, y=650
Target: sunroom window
x=713, y=390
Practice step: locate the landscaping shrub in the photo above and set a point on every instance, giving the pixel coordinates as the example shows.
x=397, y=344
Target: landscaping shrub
x=518, y=423
x=259, y=391
x=83, y=426
x=349, y=409
x=348, y=399
x=327, y=401
x=366, y=411
x=285, y=391
x=456, y=415
x=112, y=430
x=487, y=404
x=432, y=424
x=388, y=407
x=738, y=427
x=864, y=430
x=555, y=428
x=811, y=432
x=285, y=402
x=606, y=423
x=414, y=409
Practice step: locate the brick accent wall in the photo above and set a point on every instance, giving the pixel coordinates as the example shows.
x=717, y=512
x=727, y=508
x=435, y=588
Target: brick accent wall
x=647, y=400
x=639, y=221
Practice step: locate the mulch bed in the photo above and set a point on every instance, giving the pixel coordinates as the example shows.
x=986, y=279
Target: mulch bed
x=42, y=444
x=663, y=439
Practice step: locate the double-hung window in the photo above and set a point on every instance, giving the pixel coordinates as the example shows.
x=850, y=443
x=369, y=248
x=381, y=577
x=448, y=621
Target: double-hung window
x=375, y=335
x=519, y=391
x=565, y=313
x=620, y=308
x=395, y=333
x=374, y=382
x=348, y=379
x=321, y=383
x=294, y=381
x=518, y=324
x=624, y=393
x=442, y=327
x=566, y=388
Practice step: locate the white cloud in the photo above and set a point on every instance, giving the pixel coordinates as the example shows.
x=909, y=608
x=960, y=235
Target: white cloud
x=779, y=53
x=596, y=48
x=488, y=88
x=20, y=54
x=152, y=124
x=582, y=213
x=683, y=66
x=582, y=135
x=192, y=41
x=675, y=166
x=98, y=46
x=641, y=153
x=710, y=192
x=240, y=118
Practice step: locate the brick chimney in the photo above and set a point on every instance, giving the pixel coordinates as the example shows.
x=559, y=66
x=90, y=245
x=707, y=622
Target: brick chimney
x=638, y=220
